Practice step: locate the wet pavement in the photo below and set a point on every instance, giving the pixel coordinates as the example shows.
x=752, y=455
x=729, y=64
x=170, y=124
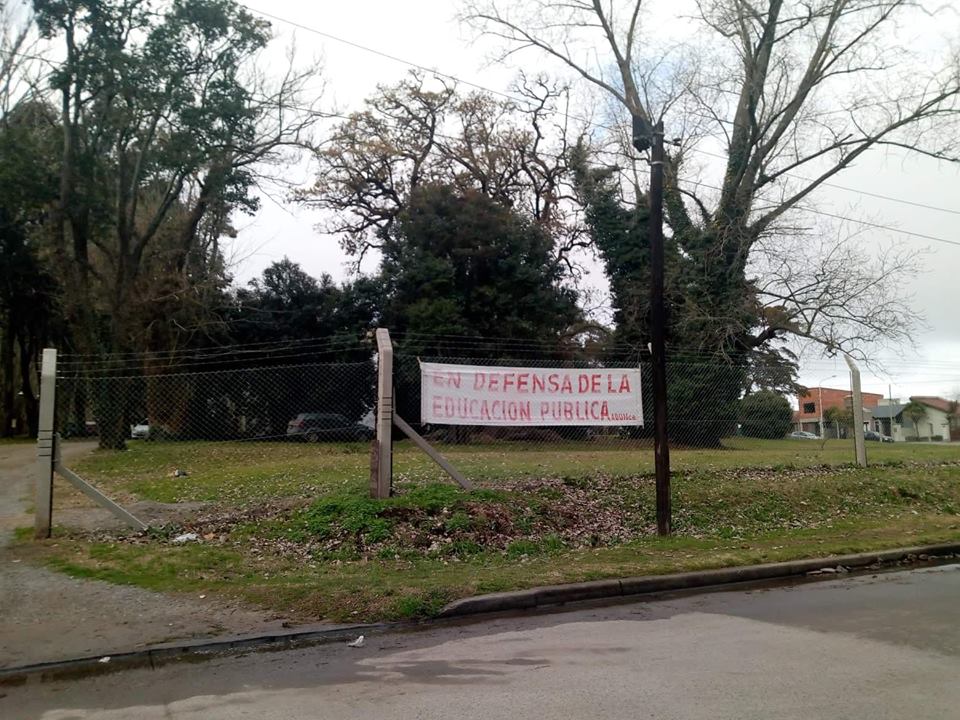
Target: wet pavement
x=876, y=647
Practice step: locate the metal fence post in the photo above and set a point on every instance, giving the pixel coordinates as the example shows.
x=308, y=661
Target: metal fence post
x=858, y=442
x=43, y=497
x=381, y=480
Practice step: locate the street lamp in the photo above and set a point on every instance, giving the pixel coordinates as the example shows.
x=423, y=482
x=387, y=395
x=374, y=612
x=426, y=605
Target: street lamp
x=820, y=400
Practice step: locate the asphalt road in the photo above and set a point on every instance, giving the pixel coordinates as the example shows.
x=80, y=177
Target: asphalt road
x=876, y=647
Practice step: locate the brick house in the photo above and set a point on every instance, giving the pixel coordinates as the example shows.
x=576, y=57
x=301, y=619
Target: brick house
x=809, y=412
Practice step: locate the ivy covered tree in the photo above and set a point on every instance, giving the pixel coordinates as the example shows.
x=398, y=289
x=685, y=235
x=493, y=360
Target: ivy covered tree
x=702, y=389
x=794, y=92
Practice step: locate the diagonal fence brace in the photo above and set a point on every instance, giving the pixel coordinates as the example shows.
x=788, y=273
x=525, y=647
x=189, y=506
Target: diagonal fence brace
x=439, y=459
x=91, y=492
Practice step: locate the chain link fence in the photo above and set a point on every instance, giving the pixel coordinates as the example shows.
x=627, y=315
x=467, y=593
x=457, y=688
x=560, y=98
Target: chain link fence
x=274, y=403
x=258, y=409
x=709, y=405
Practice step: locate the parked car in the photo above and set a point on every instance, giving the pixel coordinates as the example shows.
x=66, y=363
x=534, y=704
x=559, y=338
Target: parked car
x=141, y=430
x=876, y=437
x=316, y=427
x=803, y=435
x=86, y=429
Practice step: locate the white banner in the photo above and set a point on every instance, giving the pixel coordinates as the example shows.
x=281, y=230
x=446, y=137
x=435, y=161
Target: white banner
x=488, y=395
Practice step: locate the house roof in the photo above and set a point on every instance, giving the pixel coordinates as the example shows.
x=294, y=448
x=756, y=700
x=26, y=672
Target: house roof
x=932, y=401
x=887, y=411
x=812, y=391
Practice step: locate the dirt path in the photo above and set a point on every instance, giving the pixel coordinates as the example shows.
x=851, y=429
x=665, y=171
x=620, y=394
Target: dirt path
x=48, y=616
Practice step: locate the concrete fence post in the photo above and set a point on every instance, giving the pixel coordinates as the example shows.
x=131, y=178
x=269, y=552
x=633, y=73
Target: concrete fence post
x=381, y=477
x=859, y=444
x=43, y=490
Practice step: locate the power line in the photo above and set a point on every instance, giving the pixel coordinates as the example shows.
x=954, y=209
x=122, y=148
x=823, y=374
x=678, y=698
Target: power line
x=836, y=186
x=514, y=98
x=865, y=223
x=410, y=63
x=385, y=55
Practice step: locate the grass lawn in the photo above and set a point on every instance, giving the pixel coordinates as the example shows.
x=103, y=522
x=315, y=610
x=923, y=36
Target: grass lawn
x=290, y=527
x=234, y=473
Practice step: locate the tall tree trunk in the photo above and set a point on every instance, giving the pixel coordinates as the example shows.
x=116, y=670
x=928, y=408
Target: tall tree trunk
x=6, y=377
x=112, y=394
x=31, y=403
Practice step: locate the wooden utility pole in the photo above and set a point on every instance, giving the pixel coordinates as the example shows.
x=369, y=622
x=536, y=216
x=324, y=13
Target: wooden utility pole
x=646, y=137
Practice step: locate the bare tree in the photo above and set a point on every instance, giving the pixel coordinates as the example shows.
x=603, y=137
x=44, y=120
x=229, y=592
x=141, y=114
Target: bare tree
x=824, y=287
x=424, y=131
x=796, y=91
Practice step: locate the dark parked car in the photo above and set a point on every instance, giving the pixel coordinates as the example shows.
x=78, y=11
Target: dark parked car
x=316, y=427
x=876, y=437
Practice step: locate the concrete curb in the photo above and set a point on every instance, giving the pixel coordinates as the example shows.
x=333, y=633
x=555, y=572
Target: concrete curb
x=190, y=651
x=199, y=650
x=625, y=587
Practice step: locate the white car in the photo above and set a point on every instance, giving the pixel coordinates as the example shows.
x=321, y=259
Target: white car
x=803, y=435
x=140, y=431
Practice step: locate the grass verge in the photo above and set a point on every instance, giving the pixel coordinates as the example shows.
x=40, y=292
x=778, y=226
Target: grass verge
x=344, y=557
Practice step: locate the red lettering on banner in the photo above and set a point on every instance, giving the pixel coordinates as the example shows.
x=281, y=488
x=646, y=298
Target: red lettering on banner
x=583, y=383
x=450, y=379
x=497, y=396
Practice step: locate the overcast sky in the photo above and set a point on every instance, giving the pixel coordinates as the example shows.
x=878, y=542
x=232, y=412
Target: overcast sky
x=426, y=32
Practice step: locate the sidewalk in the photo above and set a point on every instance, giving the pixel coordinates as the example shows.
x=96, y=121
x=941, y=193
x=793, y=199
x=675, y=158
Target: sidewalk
x=46, y=616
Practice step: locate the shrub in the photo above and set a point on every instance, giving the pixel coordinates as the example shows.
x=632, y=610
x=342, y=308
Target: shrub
x=765, y=414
